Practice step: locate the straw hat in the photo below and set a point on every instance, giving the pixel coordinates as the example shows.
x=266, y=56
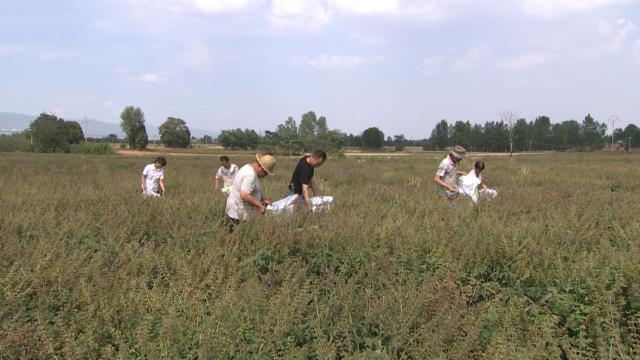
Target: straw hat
x=267, y=162
x=458, y=152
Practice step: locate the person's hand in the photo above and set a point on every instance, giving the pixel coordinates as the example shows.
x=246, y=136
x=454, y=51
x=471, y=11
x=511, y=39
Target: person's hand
x=452, y=189
x=261, y=209
x=266, y=202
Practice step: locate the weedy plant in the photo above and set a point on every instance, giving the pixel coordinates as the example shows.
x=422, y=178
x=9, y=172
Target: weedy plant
x=89, y=268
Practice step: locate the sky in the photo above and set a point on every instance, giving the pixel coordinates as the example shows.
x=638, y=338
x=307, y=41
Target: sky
x=399, y=65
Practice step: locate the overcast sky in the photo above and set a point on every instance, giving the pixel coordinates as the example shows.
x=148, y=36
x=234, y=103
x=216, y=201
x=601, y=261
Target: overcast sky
x=401, y=65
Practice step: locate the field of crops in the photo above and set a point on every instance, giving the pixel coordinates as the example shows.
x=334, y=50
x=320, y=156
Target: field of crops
x=90, y=269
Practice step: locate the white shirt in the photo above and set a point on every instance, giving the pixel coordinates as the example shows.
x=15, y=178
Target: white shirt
x=227, y=175
x=152, y=177
x=245, y=180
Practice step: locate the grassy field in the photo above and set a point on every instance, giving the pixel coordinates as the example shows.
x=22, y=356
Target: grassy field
x=90, y=269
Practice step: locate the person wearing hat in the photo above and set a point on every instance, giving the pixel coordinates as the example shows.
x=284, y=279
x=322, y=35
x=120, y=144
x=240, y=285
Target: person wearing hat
x=246, y=191
x=447, y=174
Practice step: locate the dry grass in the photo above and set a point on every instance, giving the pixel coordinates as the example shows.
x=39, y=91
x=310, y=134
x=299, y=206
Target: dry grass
x=90, y=269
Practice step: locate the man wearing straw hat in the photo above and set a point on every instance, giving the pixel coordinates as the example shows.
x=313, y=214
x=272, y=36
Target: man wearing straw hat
x=246, y=191
x=447, y=174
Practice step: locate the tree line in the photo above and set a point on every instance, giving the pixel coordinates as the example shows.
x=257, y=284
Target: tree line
x=48, y=133
x=522, y=135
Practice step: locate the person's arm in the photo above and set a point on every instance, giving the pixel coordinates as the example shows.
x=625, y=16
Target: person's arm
x=440, y=181
x=246, y=196
x=307, y=197
x=461, y=173
x=216, y=183
x=164, y=189
x=314, y=186
x=142, y=182
x=483, y=186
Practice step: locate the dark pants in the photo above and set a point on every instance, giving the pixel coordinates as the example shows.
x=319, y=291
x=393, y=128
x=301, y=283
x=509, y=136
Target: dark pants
x=232, y=223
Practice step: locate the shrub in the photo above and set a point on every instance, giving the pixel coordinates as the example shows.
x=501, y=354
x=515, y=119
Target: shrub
x=15, y=142
x=91, y=148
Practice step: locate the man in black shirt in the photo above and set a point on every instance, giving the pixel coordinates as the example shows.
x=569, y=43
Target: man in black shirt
x=302, y=178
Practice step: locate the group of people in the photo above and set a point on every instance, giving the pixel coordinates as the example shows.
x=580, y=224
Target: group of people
x=453, y=183
x=245, y=191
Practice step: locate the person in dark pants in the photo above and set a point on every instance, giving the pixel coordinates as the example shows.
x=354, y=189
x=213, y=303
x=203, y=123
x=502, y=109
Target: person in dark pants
x=302, y=178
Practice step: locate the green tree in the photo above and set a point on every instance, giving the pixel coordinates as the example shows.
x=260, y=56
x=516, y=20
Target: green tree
x=522, y=135
x=461, y=134
x=307, y=129
x=592, y=133
x=631, y=133
x=49, y=133
x=440, y=135
x=542, y=133
x=111, y=138
x=74, y=132
x=287, y=134
x=372, y=138
x=132, y=124
x=206, y=139
x=174, y=133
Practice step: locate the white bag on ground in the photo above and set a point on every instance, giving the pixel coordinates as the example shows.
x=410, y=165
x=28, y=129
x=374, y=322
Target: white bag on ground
x=292, y=202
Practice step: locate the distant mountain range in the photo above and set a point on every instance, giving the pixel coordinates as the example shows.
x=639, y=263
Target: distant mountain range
x=91, y=128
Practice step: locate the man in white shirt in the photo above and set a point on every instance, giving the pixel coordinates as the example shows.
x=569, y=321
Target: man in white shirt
x=447, y=174
x=481, y=189
x=246, y=191
x=224, y=177
x=152, y=179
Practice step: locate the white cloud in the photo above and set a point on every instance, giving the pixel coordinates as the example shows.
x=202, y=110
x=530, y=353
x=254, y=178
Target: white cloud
x=470, y=60
x=314, y=14
x=554, y=8
x=206, y=6
x=431, y=65
x=150, y=78
x=326, y=61
x=309, y=14
x=616, y=35
x=428, y=10
x=524, y=61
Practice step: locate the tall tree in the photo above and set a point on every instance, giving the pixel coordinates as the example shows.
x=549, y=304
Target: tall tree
x=461, y=134
x=440, y=135
x=74, y=132
x=522, y=135
x=592, y=133
x=509, y=118
x=132, y=124
x=631, y=135
x=372, y=138
x=542, y=132
x=49, y=133
x=288, y=135
x=174, y=133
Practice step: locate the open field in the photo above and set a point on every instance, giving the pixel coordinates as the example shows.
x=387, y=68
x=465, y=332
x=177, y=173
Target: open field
x=90, y=269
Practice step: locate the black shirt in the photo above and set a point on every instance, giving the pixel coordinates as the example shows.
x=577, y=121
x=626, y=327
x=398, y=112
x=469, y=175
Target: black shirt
x=302, y=174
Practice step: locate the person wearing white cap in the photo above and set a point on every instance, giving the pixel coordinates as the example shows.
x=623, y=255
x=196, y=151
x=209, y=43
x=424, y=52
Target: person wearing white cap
x=447, y=174
x=246, y=191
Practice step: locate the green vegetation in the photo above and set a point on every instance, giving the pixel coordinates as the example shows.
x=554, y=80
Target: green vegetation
x=132, y=123
x=174, y=133
x=91, y=269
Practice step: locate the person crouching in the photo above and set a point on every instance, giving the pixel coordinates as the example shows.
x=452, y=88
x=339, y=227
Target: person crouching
x=246, y=191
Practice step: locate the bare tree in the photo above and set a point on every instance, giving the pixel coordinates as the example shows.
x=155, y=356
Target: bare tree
x=509, y=118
